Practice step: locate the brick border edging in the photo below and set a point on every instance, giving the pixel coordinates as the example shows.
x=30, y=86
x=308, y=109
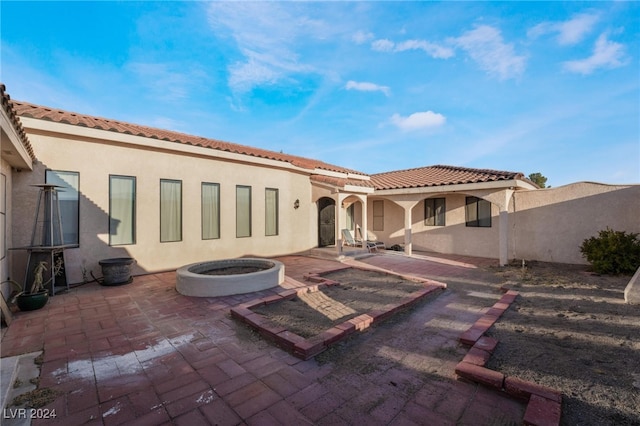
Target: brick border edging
x=544, y=407
x=307, y=348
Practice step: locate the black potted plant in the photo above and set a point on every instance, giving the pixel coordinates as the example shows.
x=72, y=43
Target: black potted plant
x=36, y=295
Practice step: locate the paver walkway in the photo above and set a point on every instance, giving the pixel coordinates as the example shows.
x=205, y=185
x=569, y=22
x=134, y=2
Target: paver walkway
x=144, y=354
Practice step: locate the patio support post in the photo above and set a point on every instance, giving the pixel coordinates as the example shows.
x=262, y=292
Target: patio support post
x=504, y=234
x=407, y=230
x=501, y=199
x=365, y=235
x=340, y=219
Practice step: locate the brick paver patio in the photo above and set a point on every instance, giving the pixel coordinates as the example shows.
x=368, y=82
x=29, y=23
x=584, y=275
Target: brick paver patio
x=144, y=354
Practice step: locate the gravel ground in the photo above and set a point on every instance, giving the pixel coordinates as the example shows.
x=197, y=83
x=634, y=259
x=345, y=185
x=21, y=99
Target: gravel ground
x=571, y=330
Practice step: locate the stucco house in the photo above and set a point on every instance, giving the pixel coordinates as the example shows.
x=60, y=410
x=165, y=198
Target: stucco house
x=168, y=199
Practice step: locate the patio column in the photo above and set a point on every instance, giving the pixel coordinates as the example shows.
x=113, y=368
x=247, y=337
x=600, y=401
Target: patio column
x=340, y=218
x=501, y=198
x=504, y=236
x=503, y=233
x=407, y=230
x=365, y=235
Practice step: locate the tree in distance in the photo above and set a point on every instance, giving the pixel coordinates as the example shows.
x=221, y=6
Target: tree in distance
x=538, y=179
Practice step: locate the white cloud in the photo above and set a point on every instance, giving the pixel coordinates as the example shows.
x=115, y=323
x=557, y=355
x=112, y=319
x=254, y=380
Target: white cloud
x=486, y=46
x=364, y=86
x=606, y=54
x=432, y=49
x=573, y=31
x=382, y=45
x=244, y=76
x=266, y=34
x=362, y=37
x=569, y=32
x=418, y=120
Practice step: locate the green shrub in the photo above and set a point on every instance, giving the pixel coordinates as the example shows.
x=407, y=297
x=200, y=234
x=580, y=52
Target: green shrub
x=612, y=252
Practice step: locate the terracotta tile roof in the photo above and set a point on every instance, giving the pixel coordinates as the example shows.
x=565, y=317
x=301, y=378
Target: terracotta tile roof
x=25, y=109
x=9, y=109
x=437, y=176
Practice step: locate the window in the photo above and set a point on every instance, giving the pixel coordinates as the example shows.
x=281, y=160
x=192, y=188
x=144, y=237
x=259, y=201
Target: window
x=434, y=212
x=3, y=217
x=69, y=199
x=271, y=212
x=478, y=212
x=122, y=210
x=170, y=210
x=378, y=215
x=210, y=211
x=243, y=211
x=350, y=217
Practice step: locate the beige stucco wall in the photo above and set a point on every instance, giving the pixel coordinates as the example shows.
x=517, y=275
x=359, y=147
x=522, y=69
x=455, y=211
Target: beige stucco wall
x=551, y=224
x=454, y=238
x=547, y=225
x=393, y=232
x=543, y=224
x=5, y=232
x=96, y=159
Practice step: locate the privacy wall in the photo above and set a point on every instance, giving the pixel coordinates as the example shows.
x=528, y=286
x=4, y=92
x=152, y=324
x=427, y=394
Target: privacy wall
x=550, y=224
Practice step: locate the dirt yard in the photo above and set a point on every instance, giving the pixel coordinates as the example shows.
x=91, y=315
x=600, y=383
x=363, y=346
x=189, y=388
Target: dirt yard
x=571, y=330
x=359, y=292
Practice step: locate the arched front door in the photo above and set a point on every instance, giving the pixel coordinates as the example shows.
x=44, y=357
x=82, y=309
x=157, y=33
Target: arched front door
x=326, y=222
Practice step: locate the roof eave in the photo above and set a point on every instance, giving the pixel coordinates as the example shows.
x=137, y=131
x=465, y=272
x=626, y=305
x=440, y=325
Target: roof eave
x=13, y=150
x=497, y=184
x=525, y=184
x=340, y=175
x=38, y=112
x=48, y=126
x=358, y=189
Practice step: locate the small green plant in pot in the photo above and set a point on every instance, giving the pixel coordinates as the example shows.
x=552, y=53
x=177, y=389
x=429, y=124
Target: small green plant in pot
x=36, y=295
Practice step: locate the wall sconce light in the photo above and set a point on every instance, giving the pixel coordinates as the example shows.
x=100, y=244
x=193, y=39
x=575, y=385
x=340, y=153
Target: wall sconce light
x=296, y=204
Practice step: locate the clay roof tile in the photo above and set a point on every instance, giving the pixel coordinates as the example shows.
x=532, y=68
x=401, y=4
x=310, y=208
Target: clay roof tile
x=40, y=112
x=438, y=175
x=9, y=108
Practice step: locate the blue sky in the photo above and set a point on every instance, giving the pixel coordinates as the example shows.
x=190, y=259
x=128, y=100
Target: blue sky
x=550, y=87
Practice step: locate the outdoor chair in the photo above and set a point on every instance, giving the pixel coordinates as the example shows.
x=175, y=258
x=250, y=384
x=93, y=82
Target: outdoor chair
x=348, y=240
x=379, y=244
